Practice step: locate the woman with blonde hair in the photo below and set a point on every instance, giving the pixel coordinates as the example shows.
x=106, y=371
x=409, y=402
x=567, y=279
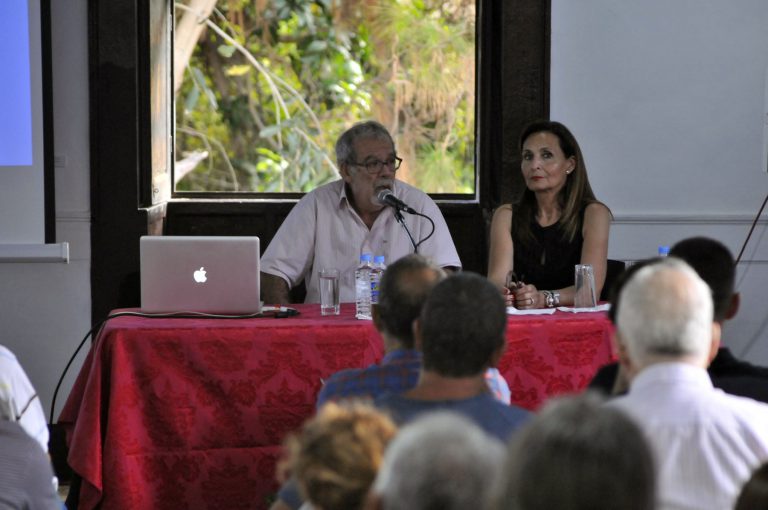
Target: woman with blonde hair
x=336, y=456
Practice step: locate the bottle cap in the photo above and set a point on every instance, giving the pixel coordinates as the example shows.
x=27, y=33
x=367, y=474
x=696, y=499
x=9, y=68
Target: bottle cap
x=663, y=251
x=366, y=257
x=378, y=259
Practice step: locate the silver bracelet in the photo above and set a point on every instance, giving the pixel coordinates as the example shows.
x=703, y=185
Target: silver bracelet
x=551, y=298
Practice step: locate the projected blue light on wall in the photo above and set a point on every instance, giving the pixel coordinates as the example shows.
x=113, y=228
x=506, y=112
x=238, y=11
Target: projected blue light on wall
x=15, y=95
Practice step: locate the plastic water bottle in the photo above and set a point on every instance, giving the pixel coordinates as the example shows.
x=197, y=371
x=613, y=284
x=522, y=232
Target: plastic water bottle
x=363, y=287
x=376, y=272
x=663, y=251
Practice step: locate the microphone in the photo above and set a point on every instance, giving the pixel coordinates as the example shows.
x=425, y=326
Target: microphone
x=386, y=197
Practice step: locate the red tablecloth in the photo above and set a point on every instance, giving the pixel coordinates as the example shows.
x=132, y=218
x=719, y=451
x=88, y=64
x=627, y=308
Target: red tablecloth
x=190, y=413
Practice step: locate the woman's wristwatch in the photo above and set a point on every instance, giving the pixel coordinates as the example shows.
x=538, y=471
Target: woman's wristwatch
x=551, y=298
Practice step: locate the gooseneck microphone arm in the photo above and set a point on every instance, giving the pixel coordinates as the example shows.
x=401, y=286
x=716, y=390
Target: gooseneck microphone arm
x=401, y=220
x=386, y=197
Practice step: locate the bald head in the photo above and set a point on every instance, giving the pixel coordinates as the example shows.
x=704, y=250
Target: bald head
x=666, y=314
x=403, y=290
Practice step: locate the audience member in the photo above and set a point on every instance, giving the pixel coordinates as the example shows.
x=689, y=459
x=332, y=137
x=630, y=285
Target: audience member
x=556, y=224
x=19, y=401
x=754, y=494
x=440, y=461
x=460, y=333
x=706, y=443
x=577, y=455
x=404, y=287
x=336, y=456
x=331, y=226
x=715, y=265
x=611, y=379
x=25, y=472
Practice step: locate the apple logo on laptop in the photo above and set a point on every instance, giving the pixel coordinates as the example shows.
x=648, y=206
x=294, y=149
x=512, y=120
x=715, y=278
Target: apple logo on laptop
x=199, y=275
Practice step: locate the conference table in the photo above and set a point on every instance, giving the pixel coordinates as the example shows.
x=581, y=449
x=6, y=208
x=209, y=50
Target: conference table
x=187, y=413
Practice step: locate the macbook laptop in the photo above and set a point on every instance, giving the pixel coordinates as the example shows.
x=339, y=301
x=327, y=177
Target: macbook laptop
x=200, y=274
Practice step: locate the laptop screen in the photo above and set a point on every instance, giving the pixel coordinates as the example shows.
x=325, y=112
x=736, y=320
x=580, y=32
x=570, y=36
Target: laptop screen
x=211, y=274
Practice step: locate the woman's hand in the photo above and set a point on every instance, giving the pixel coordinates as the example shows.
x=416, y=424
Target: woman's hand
x=527, y=297
x=509, y=296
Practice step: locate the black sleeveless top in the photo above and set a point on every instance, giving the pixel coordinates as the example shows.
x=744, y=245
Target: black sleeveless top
x=549, y=263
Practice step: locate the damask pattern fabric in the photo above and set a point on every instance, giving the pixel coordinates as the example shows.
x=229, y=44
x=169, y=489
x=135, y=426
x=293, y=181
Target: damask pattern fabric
x=170, y=413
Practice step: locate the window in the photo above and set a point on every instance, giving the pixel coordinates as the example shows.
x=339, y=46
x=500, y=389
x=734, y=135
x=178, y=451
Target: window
x=264, y=87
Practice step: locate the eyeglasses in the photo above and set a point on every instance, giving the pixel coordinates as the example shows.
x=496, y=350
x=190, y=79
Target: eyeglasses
x=376, y=166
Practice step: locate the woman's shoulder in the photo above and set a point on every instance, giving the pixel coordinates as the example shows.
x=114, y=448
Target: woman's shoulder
x=596, y=209
x=502, y=219
x=502, y=213
x=596, y=216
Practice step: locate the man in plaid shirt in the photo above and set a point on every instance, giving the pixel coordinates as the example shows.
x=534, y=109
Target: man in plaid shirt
x=403, y=290
x=405, y=286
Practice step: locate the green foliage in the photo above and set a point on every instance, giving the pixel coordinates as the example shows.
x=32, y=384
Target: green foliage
x=267, y=96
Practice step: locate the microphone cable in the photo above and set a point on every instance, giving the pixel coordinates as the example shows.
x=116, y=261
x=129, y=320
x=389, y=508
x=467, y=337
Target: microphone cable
x=401, y=220
x=428, y=235
x=271, y=312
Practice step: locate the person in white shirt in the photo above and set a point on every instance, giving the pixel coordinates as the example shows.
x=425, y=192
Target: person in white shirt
x=705, y=442
x=19, y=401
x=334, y=224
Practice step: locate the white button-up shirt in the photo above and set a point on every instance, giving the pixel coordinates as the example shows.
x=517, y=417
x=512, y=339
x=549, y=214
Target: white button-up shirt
x=324, y=231
x=18, y=399
x=705, y=442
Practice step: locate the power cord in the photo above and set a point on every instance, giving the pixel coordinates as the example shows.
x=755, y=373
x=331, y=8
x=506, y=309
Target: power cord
x=748, y=346
x=751, y=229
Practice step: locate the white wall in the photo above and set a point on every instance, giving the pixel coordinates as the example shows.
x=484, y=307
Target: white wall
x=46, y=307
x=668, y=101
x=666, y=97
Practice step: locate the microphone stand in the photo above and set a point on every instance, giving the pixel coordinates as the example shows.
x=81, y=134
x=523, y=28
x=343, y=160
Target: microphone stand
x=401, y=220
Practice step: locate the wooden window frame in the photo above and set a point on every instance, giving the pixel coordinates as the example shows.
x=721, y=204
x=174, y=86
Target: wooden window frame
x=131, y=144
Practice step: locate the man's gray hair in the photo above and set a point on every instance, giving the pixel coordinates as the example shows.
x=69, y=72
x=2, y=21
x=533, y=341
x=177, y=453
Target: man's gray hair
x=345, y=145
x=666, y=311
x=577, y=454
x=439, y=461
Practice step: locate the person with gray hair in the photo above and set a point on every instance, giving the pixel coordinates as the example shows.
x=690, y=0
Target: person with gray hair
x=405, y=286
x=331, y=226
x=441, y=460
x=577, y=455
x=705, y=442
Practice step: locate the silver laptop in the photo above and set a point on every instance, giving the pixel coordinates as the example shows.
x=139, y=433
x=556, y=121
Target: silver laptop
x=200, y=274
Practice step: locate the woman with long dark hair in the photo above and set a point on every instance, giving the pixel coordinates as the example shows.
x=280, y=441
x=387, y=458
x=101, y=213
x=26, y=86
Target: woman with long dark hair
x=556, y=224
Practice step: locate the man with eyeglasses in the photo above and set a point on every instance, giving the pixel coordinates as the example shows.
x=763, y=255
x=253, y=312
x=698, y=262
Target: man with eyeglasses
x=334, y=224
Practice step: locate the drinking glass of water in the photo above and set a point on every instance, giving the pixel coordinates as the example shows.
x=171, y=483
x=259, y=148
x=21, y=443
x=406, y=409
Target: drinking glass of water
x=585, y=287
x=329, y=291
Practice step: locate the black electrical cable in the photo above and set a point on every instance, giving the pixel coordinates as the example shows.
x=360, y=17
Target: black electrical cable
x=748, y=346
x=430, y=234
x=267, y=312
x=752, y=228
